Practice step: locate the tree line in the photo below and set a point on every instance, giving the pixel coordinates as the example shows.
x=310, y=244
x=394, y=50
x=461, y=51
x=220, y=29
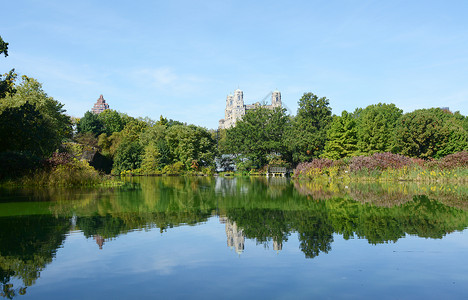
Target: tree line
x=146, y=146
x=270, y=136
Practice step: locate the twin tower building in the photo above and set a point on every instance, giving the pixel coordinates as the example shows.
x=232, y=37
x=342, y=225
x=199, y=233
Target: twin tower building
x=236, y=109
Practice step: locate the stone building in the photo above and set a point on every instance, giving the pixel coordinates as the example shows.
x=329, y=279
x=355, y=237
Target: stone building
x=100, y=105
x=236, y=109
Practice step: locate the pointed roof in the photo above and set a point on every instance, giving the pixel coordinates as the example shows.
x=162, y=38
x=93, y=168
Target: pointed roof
x=100, y=105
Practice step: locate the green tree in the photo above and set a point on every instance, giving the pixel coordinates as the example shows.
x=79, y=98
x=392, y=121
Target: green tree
x=128, y=156
x=50, y=128
x=126, y=147
x=30, y=90
x=341, y=137
x=151, y=159
x=462, y=119
x=376, y=125
x=428, y=133
x=24, y=128
x=7, y=83
x=260, y=132
x=153, y=134
x=111, y=121
x=133, y=130
x=308, y=133
x=189, y=143
x=109, y=144
x=90, y=123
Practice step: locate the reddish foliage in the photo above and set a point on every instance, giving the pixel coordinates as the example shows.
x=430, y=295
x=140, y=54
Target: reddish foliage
x=58, y=159
x=452, y=161
x=419, y=162
x=383, y=161
x=379, y=161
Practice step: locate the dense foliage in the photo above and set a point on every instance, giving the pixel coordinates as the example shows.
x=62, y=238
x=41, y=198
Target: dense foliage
x=308, y=133
x=261, y=132
x=32, y=126
x=429, y=133
x=341, y=137
x=144, y=146
x=314, y=133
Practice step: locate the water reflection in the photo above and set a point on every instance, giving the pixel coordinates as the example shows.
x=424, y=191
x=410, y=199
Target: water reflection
x=27, y=245
x=34, y=223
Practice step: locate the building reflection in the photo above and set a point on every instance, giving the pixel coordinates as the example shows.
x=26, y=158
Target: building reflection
x=236, y=238
x=99, y=241
x=277, y=246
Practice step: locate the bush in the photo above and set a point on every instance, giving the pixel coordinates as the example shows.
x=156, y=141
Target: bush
x=378, y=162
x=71, y=172
x=456, y=160
x=174, y=169
x=387, y=167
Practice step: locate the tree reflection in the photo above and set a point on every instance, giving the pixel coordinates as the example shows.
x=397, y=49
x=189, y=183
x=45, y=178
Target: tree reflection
x=266, y=210
x=27, y=245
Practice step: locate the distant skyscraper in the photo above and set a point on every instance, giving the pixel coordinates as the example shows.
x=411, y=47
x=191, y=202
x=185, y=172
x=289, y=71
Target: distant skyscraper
x=100, y=105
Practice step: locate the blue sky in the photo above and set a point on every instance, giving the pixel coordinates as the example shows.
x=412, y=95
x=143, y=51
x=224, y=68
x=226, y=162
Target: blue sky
x=180, y=59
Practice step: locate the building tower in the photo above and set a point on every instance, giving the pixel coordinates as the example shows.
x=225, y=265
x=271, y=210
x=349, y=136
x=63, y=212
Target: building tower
x=238, y=98
x=238, y=108
x=100, y=105
x=276, y=99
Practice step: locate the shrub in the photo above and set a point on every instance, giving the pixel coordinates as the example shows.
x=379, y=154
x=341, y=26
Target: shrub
x=72, y=172
x=452, y=161
x=174, y=169
x=388, y=167
x=378, y=162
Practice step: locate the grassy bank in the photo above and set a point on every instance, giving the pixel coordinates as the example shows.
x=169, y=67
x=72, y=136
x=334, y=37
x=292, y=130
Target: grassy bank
x=62, y=170
x=386, y=167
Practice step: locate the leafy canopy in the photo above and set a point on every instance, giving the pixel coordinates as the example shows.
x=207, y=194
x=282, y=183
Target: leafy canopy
x=260, y=133
x=308, y=133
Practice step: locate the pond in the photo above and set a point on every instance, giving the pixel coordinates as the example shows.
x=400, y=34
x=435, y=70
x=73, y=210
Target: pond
x=233, y=238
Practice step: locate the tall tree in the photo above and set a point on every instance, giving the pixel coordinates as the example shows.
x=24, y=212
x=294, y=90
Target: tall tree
x=24, y=128
x=309, y=128
x=376, y=124
x=111, y=121
x=260, y=132
x=90, y=123
x=52, y=113
x=190, y=143
x=128, y=156
x=341, y=137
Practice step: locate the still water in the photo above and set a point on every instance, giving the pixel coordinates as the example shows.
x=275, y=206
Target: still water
x=225, y=238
